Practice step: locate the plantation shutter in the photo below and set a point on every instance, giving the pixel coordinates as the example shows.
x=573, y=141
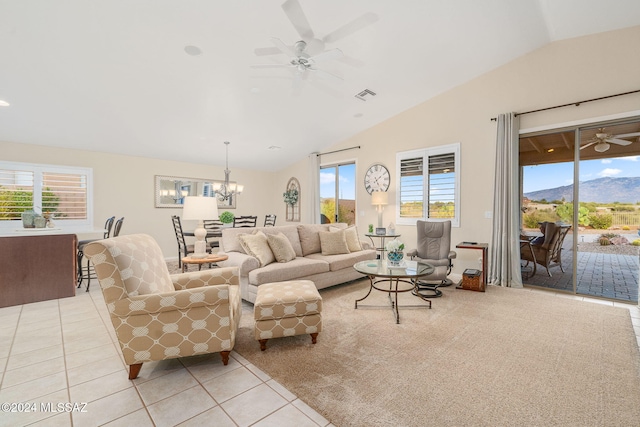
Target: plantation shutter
x=65, y=195
x=16, y=193
x=411, y=188
x=442, y=186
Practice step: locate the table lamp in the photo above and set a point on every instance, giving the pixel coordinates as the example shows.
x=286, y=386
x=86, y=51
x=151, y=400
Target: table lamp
x=200, y=208
x=379, y=199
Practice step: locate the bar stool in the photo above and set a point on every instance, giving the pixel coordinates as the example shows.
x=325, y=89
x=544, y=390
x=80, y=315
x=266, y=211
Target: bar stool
x=108, y=225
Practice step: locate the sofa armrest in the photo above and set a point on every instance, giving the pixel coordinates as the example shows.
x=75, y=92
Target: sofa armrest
x=170, y=301
x=243, y=262
x=198, y=279
x=366, y=245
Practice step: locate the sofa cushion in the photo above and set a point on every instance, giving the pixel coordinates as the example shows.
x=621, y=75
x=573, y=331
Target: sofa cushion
x=257, y=246
x=309, y=238
x=339, y=262
x=230, y=243
x=333, y=243
x=279, y=272
x=281, y=247
x=351, y=234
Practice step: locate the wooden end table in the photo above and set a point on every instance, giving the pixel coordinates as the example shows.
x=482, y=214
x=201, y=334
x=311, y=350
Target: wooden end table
x=211, y=259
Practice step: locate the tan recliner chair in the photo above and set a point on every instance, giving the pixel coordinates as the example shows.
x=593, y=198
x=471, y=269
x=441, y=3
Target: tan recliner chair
x=160, y=316
x=434, y=247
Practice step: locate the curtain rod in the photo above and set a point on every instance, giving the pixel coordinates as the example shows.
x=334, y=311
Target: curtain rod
x=357, y=147
x=577, y=104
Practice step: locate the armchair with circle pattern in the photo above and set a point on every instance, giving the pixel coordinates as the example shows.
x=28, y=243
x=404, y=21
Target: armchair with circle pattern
x=159, y=316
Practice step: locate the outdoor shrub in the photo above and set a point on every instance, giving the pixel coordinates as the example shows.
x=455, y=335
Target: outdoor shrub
x=609, y=235
x=626, y=227
x=636, y=242
x=565, y=212
x=531, y=220
x=604, y=241
x=601, y=222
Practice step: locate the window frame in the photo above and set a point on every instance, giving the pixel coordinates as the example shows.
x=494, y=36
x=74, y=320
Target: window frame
x=426, y=153
x=38, y=170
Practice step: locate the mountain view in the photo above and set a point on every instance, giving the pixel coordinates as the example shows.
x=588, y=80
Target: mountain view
x=601, y=190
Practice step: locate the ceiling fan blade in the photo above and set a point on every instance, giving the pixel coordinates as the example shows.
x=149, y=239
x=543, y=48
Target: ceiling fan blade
x=587, y=145
x=270, y=66
x=328, y=55
x=283, y=47
x=627, y=135
x=323, y=73
x=351, y=27
x=296, y=15
x=264, y=51
x=618, y=141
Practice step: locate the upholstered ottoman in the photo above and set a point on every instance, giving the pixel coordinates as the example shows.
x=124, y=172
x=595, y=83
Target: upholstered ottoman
x=285, y=309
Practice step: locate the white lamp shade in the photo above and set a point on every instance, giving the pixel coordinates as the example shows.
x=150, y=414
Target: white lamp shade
x=379, y=198
x=200, y=208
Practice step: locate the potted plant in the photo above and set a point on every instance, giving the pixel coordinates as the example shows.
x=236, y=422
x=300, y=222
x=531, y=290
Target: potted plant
x=226, y=218
x=395, y=252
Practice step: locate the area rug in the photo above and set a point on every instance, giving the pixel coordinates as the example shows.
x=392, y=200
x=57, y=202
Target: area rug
x=506, y=357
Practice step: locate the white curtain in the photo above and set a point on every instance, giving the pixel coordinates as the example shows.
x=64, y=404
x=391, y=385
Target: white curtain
x=504, y=259
x=314, y=189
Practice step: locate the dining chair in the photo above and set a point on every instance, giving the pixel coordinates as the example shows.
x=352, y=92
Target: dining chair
x=108, y=225
x=214, y=232
x=183, y=248
x=245, y=221
x=270, y=220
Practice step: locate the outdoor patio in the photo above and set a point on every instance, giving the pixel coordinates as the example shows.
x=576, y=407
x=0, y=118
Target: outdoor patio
x=603, y=271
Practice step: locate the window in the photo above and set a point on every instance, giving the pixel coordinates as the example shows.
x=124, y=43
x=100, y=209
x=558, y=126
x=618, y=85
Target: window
x=434, y=195
x=63, y=191
x=338, y=193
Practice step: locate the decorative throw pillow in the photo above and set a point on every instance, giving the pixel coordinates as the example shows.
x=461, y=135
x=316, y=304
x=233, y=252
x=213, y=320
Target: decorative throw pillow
x=257, y=246
x=351, y=234
x=281, y=247
x=333, y=243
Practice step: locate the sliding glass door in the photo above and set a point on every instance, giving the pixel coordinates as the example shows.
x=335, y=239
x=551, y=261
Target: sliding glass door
x=588, y=178
x=338, y=193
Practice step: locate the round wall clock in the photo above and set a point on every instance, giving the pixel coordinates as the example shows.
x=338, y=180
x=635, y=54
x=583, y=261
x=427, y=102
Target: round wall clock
x=377, y=178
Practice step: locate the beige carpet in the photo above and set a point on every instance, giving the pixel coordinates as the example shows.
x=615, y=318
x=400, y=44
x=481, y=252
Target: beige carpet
x=507, y=357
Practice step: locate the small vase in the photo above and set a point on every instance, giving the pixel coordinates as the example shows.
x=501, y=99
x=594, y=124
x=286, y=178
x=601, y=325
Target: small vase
x=395, y=258
x=27, y=218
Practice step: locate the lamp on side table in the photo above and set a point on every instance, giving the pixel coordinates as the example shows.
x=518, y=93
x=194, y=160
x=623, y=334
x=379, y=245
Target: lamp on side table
x=200, y=208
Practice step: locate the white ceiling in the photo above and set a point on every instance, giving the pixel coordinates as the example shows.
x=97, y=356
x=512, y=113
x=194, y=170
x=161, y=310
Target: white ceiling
x=113, y=75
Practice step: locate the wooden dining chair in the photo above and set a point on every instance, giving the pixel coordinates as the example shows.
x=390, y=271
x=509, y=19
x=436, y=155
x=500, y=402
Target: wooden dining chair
x=214, y=232
x=183, y=248
x=270, y=220
x=245, y=221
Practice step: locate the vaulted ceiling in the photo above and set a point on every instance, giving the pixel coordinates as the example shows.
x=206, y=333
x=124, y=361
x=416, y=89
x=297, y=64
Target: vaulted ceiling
x=174, y=79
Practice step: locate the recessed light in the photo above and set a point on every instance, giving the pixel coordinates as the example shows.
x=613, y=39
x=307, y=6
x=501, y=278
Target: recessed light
x=192, y=50
x=358, y=115
x=254, y=90
x=4, y=103
x=550, y=150
x=274, y=147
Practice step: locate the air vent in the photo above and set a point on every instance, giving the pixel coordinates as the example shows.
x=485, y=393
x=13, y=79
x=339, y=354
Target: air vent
x=365, y=94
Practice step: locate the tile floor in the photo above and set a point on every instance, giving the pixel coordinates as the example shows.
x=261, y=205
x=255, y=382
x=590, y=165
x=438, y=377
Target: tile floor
x=64, y=351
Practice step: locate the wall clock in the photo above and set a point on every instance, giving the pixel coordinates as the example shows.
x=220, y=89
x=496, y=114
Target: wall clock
x=377, y=178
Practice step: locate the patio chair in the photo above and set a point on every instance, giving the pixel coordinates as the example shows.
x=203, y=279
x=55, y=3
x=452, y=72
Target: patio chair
x=549, y=253
x=158, y=316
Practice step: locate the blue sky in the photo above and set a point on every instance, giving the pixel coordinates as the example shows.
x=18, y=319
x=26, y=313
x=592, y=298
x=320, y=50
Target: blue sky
x=348, y=182
x=542, y=177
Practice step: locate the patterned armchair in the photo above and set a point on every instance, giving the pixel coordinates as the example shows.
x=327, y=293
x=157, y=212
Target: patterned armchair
x=160, y=316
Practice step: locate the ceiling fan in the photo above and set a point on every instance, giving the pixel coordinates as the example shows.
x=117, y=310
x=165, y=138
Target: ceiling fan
x=602, y=140
x=310, y=49
x=300, y=60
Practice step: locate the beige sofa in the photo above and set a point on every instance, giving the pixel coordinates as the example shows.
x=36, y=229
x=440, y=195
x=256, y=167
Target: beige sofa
x=307, y=259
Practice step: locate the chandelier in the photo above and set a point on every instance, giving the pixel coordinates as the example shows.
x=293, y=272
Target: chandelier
x=225, y=190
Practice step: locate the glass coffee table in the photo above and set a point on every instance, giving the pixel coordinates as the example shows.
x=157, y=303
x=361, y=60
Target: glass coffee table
x=402, y=278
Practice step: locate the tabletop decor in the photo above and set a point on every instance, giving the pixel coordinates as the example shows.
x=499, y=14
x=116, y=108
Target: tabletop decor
x=226, y=218
x=395, y=252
